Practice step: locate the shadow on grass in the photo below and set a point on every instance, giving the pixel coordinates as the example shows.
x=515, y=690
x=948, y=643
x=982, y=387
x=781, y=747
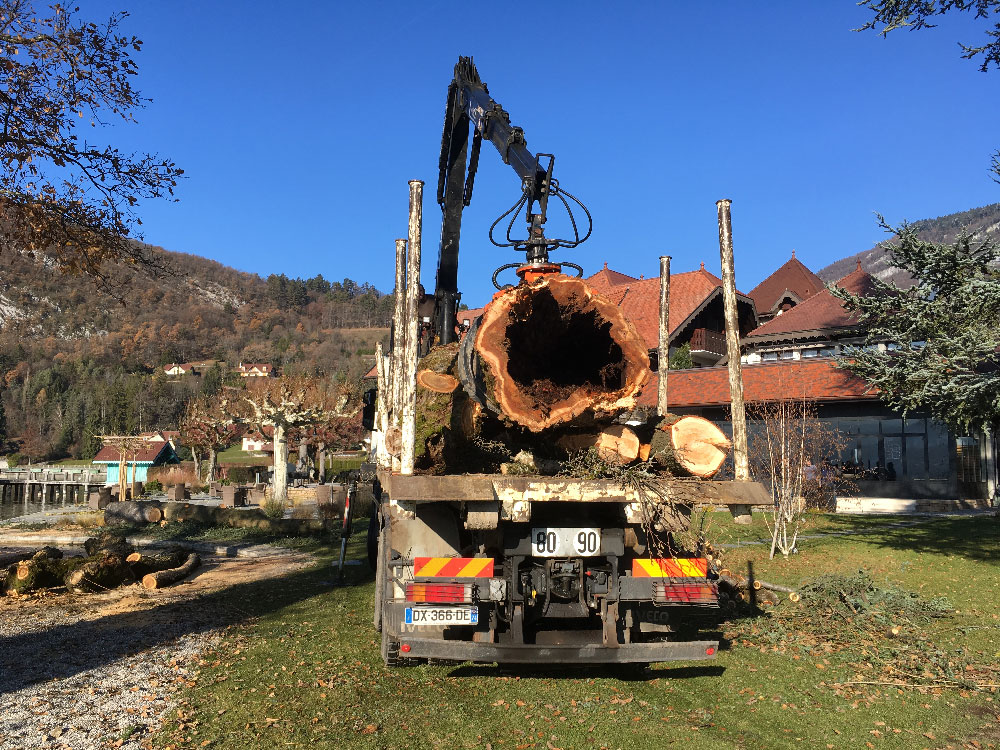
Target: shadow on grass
x=975, y=537
x=623, y=672
x=65, y=650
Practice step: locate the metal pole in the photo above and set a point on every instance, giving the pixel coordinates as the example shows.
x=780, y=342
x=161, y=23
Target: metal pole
x=741, y=464
x=663, y=357
x=412, y=301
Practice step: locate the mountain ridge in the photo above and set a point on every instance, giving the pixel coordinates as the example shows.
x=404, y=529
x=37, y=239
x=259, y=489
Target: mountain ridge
x=983, y=221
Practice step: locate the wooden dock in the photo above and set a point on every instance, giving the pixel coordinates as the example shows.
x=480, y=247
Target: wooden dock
x=49, y=485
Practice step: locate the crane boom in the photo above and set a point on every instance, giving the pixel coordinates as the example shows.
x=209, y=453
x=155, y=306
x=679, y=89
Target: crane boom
x=470, y=107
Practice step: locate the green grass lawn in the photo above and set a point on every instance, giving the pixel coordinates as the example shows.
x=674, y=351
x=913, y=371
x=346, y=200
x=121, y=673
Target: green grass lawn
x=235, y=455
x=305, y=669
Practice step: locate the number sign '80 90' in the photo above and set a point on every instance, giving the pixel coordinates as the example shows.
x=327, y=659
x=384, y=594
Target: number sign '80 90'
x=563, y=542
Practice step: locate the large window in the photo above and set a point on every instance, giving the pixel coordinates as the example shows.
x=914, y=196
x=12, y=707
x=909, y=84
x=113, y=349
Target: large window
x=917, y=448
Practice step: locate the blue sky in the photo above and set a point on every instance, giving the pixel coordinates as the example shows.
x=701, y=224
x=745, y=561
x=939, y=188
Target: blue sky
x=299, y=125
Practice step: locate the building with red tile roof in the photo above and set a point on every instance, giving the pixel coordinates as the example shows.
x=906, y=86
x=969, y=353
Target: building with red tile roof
x=695, y=317
x=255, y=370
x=819, y=326
x=816, y=380
x=787, y=287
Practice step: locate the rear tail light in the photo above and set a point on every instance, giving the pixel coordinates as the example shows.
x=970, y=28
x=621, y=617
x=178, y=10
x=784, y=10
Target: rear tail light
x=700, y=594
x=439, y=593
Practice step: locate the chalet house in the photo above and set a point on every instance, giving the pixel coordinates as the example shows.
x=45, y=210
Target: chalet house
x=787, y=287
x=818, y=326
x=896, y=460
x=254, y=370
x=157, y=451
x=175, y=369
x=696, y=317
x=258, y=442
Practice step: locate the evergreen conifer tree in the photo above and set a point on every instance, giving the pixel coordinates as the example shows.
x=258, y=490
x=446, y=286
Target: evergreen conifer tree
x=935, y=347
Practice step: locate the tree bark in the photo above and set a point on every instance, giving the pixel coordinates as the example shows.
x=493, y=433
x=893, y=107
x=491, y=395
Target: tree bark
x=36, y=573
x=280, y=491
x=107, y=543
x=321, y=460
x=165, y=577
x=197, y=464
x=211, y=466
x=99, y=574
x=133, y=512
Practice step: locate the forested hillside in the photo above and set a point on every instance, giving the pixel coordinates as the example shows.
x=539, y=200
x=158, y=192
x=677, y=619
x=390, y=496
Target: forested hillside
x=980, y=221
x=76, y=360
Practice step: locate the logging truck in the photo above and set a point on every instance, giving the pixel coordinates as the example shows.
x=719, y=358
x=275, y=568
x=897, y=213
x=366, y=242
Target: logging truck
x=489, y=543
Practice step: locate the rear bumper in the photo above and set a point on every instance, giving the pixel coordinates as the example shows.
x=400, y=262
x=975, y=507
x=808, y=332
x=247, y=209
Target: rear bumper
x=487, y=653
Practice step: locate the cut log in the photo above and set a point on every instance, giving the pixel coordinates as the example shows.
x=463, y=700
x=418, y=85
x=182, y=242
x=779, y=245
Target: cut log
x=99, y=574
x=615, y=444
x=165, y=577
x=133, y=512
x=438, y=382
x=551, y=350
x=143, y=564
x=31, y=575
x=618, y=443
x=689, y=446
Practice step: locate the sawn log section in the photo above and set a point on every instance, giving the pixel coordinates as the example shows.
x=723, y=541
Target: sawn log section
x=495, y=487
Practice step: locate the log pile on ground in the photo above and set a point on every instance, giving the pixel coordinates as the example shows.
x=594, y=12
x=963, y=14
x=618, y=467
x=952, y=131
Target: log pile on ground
x=552, y=369
x=109, y=562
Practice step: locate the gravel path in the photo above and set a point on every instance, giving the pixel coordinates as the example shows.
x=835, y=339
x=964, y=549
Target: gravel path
x=89, y=671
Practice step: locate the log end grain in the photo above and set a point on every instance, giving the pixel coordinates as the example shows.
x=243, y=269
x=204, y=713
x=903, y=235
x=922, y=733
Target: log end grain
x=555, y=349
x=438, y=382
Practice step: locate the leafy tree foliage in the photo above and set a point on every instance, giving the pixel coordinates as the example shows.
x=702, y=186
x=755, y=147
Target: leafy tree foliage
x=890, y=15
x=943, y=334
x=61, y=195
x=681, y=358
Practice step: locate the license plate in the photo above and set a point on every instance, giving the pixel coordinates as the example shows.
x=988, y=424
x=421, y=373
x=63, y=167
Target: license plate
x=563, y=542
x=441, y=616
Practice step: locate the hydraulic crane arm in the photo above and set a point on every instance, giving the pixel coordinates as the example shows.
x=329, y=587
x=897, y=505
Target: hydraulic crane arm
x=469, y=103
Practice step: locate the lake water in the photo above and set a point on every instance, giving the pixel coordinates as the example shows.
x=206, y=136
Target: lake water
x=15, y=510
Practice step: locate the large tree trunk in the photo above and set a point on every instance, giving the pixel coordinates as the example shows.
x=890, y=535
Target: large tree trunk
x=197, y=464
x=211, y=466
x=132, y=512
x=280, y=488
x=321, y=460
x=552, y=350
x=99, y=574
